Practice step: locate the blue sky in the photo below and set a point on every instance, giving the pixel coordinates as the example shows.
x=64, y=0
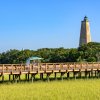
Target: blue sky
x=34, y=24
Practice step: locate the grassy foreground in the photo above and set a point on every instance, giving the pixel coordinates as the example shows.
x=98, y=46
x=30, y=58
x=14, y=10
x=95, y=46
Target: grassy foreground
x=55, y=90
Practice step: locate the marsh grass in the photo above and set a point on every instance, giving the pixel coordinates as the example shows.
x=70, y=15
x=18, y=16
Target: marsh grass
x=53, y=90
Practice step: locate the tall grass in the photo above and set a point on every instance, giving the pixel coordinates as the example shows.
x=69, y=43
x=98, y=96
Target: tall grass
x=55, y=90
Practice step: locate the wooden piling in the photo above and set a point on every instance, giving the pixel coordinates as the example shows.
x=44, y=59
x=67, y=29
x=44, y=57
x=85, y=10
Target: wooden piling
x=80, y=73
x=74, y=75
x=86, y=74
x=28, y=76
x=25, y=76
x=62, y=74
x=33, y=77
x=16, y=76
x=48, y=74
x=91, y=73
x=19, y=78
x=95, y=73
x=68, y=75
x=98, y=73
x=2, y=78
x=55, y=76
x=41, y=76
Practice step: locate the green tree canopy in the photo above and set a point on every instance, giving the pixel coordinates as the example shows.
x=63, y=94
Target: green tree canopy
x=89, y=52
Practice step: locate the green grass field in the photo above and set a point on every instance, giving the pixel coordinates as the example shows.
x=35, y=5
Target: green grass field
x=54, y=90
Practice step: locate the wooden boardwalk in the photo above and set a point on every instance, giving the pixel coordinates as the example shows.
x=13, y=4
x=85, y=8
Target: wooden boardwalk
x=14, y=71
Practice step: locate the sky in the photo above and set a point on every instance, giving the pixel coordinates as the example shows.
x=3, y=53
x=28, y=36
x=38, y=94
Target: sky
x=35, y=24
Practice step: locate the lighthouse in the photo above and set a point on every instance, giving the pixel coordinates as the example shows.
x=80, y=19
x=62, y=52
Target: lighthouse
x=85, y=35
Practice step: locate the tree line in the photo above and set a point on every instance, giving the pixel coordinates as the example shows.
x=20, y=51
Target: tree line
x=86, y=53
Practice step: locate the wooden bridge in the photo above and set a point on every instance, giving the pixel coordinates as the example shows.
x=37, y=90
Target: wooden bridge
x=14, y=71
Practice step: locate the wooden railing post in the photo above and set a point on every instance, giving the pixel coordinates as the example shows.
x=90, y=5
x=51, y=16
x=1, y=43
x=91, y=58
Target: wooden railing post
x=54, y=67
x=98, y=69
x=86, y=65
x=60, y=67
x=12, y=68
x=29, y=67
x=68, y=66
x=2, y=69
x=3, y=73
x=38, y=68
x=74, y=66
x=92, y=65
x=21, y=69
x=81, y=65
x=46, y=67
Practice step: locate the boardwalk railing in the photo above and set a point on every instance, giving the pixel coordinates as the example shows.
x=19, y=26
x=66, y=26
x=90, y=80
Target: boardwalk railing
x=16, y=70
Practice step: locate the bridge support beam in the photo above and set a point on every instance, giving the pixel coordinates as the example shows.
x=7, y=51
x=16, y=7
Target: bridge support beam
x=98, y=74
x=2, y=78
x=86, y=74
x=89, y=74
x=80, y=74
x=28, y=76
x=32, y=77
x=25, y=76
x=41, y=76
x=68, y=75
x=75, y=74
x=62, y=74
x=16, y=78
x=48, y=75
x=55, y=76
x=92, y=73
